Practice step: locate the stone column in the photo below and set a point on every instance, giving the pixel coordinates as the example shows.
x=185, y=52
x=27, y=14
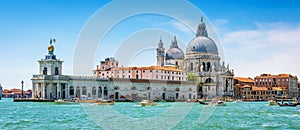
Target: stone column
x=33, y=90
x=80, y=93
x=43, y=90
x=102, y=88
x=74, y=95
x=97, y=91
x=66, y=91
x=57, y=91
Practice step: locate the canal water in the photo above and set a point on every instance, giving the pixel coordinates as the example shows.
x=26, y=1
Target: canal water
x=166, y=115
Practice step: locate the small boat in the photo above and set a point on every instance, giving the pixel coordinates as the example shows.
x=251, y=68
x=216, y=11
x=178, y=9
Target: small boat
x=288, y=104
x=218, y=103
x=238, y=101
x=272, y=103
x=104, y=102
x=203, y=102
x=60, y=101
x=148, y=103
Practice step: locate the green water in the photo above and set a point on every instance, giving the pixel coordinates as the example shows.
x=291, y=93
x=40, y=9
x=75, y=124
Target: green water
x=254, y=115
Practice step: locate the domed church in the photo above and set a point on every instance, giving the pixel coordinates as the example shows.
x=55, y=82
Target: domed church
x=201, y=60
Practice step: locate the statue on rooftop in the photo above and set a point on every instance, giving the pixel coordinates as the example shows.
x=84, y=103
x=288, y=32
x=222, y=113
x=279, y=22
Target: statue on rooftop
x=51, y=47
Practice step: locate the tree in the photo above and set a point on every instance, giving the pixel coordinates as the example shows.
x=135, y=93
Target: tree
x=191, y=77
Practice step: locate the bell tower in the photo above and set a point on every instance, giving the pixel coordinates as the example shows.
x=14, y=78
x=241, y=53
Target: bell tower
x=50, y=65
x=160, y=57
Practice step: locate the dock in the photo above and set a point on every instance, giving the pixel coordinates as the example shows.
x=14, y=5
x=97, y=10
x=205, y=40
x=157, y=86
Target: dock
x=32, y=100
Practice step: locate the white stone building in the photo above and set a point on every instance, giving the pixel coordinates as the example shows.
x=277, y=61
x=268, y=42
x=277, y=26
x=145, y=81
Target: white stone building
x=50, y=83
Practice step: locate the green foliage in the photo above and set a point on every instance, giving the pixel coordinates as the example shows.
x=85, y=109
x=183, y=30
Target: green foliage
x=191, y=77
x=199, y=86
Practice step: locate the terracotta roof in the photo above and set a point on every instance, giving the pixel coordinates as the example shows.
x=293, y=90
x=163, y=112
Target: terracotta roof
x=259, y=88
x=277, y=88
x=274, y=76
x=243, y=79
x=152, y=81
x=167, y=68
x=246, y=86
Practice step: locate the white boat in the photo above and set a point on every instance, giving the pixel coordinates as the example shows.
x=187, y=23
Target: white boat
x=218, y=103
x=148, y=103
x=238, y=101
x=60, y=101
x=104, y=102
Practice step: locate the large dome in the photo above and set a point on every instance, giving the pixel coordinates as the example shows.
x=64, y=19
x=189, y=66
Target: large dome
x=202, y=44
x=174, y=53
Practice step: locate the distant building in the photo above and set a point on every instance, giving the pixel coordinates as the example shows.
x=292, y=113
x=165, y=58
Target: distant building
x=16, y=93
x=110, y=69
x=261, y=93
x=266, y=86
x=284, y=81
x=240, y=83
x=0, y=91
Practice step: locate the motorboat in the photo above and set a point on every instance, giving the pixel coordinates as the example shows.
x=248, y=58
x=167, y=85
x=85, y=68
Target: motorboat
x=288, y=104
x=104, y=102
x=218, y=103
x=70, y=101
x=148, y=103
x=239, y=101
x=203, y=102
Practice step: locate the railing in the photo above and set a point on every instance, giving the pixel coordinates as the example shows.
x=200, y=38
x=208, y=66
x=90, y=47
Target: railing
x=66, y=77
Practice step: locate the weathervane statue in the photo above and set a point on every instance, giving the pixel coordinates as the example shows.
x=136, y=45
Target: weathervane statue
x=51, y=47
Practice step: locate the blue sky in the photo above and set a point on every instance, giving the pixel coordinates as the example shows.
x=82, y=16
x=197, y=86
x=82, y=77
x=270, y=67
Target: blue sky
x=257, y=36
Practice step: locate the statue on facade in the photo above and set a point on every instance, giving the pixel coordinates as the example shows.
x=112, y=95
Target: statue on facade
x=51, y=47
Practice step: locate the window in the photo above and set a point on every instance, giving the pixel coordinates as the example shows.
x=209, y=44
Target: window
x=143, y=71
x=150, y=70
x=208, y=67
x=45, y=71
x=56, y=71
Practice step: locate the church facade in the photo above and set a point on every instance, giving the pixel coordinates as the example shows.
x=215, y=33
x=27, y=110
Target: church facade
x=201, y=60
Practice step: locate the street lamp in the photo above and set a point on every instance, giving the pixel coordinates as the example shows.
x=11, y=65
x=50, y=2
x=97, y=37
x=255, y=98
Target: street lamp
x=22, y=82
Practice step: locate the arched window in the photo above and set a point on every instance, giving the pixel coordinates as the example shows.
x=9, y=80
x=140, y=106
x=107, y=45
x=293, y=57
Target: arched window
x=203, y=67
x=105, y=91
x=137, y=76
x=71, y=90
x=192, y=66
x=83, y=90
x=208, y=66
x=99, y=91
x=209, y=80
x=77, y=92
x=45, y=71
x=94, y=91
x=56, y=71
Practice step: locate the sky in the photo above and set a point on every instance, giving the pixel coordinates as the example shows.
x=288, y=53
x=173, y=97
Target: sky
x=257, y=36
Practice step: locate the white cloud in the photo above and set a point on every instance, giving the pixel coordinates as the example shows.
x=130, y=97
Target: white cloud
x=270, y=48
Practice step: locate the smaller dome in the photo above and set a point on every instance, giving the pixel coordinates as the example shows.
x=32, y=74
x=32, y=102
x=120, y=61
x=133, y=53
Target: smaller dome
x=174, y=53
